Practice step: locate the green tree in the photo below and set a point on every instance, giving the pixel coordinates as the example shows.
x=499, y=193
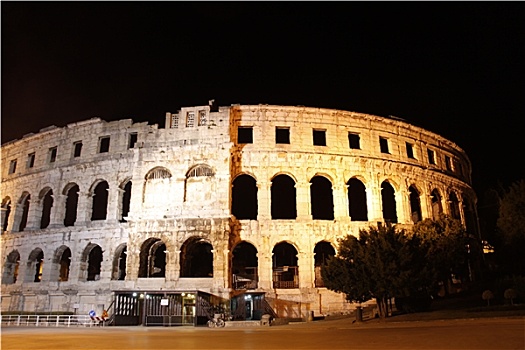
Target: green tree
x=511, y=227
x=443, y=247
x=378, y=264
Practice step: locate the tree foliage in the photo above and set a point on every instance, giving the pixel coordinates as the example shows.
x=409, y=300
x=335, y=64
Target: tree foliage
x=384, y=262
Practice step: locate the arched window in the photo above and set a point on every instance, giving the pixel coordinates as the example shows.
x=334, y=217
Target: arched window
x=119, y=263
x=6, y=211
x=157, y=188
x=321, y=198
x=196, y=258
x=35, y=265
x=388, y=200
x=92, y=258
x=454, y=206
x=322, y=252
x=357, y=206
x=200, y=170
x=126, y=198
x=285, y=269
x=100, y=201
x=64, y=262
x=244, y=266
x=152, y=258
x=46, y=196
x=71, y=192
x=25, y=211
x=415, y=204
x=200, y=185
x=437, y=208
x=12, y=263
x=244, y=197
x=283, y=194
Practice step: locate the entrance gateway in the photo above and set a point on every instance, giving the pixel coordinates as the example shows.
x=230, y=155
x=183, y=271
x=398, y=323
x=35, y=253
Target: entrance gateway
x=184, y=308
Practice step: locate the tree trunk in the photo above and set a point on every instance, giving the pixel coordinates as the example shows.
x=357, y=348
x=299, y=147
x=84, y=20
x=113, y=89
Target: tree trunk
x=381, y=305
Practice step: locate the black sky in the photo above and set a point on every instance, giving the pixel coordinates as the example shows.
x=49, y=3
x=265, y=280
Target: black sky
x=454, y=68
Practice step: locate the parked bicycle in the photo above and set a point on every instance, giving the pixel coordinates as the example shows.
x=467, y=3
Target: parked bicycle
x=217, y=321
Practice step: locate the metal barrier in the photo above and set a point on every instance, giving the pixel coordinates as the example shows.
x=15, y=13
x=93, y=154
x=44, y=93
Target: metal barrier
x=49, y=321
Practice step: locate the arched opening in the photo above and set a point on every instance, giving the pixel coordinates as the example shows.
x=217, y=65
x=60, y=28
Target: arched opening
x=285, y=267
x=437, y=208
x=126, y=199
x=283, y=200
x=321, y=198
x=25, y=211
x=322, y=252
x=100, y=201
x=196, y=258
x=6, y=211
x=388, y=200
x=64, y=264
x=119, y=263
x=415, y=204
x=93, y=256
x=11, y=267
x=244, y=197
x=454, y=206
x=199, y=185
x=35, y=265
x=153, y=259
x=357, y=206
x=244, y=266
x=46, y=196
x=71, y=205
x=157, y=187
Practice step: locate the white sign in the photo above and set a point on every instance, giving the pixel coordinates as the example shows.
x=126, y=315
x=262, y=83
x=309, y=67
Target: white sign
x=164, y=302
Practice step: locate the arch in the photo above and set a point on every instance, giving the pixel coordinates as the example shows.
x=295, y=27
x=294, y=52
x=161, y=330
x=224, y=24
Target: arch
x=283, y=198
x=46, y=198
x=454, y=205
x=357, y=205
x=35, y=265
x=5, y=211
x=200, y=170
x=244, y=197
x=62, y=259
x=11, y=267
x=244, y=266
x=119, y=263
x=152, y=258
x=156, y=188
x=100, y=201
x=322, y=252
x=321, y=198
x=92, y=256
x=157, y=173
x=388, y=201
x=24, y=203
x=71, y=192
x=196, y=258
x=285, y=266
x=437, y=206
x=125, y=199
x=415, y=204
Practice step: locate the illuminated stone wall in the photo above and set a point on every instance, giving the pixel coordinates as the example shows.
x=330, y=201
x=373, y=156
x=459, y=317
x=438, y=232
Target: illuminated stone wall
x=181, y=194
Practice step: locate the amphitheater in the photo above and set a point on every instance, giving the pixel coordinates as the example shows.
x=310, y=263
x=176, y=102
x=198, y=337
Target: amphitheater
x=236, y=206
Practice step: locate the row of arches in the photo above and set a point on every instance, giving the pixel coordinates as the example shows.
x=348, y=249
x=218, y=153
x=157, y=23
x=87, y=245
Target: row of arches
x=196, y=260
x=284, y=200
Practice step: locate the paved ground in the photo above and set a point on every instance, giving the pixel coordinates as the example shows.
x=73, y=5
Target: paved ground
x=474, y=333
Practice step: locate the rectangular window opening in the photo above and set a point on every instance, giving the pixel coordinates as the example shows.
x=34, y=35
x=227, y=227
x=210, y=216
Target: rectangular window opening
x=245, y=134
x=383, y=144
x=77, y=149
x=319, y=137
x=431, y=157
x=448, y=163
x=203, y=119
x=174, y=121
x=103, y=144
x=30, y=160
x=132, y=140
x=12, y=166
x=410, y=150
x=52, y=154
x=282, y=135
x=354, y=141
x=190, y=120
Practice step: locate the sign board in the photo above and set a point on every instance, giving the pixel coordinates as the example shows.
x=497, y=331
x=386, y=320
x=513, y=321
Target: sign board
x=92, y=313
x=164, y=302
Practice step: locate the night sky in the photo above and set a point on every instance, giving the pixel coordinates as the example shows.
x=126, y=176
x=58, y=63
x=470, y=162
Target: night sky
x=454, y=68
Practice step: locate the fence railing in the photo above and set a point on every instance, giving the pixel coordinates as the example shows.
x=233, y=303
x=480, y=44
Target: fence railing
x=50, y=321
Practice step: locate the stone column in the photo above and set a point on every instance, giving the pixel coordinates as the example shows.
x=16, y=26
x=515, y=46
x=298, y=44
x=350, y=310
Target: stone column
x=112, y=209
x=58, y=211
x=263, y=200
x=304, y=207
x=135, y=203
x=305, y=262
x=84, y=208
x=404, y=214
x=264, y=270
x=340, y=194
x=374, y=202
x=34, y=215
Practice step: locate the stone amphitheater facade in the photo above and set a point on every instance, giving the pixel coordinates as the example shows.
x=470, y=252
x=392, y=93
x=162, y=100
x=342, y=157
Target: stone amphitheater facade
x=222, y=200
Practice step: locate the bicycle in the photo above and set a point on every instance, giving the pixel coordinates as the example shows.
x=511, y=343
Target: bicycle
x=217, y=321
